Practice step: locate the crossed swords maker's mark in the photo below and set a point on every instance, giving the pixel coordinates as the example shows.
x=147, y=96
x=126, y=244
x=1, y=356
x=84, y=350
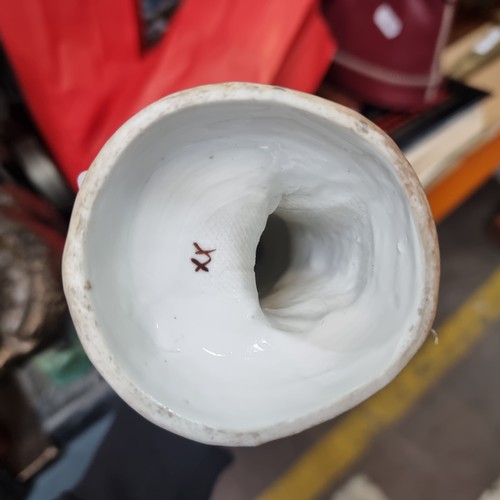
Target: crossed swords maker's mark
x=206, y=253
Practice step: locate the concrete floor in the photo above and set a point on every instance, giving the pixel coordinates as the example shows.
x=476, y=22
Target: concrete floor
x=447, y=444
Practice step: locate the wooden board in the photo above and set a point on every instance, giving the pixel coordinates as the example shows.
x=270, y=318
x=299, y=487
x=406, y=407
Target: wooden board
x=472, y=166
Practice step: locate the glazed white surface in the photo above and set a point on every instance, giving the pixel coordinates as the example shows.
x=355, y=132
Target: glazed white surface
x=201, y=344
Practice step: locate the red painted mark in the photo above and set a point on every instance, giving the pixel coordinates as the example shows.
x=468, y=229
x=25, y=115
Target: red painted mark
x=206, y=253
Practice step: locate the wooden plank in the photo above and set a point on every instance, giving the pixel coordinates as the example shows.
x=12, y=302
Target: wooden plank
x=463, y=177
x=469, y=174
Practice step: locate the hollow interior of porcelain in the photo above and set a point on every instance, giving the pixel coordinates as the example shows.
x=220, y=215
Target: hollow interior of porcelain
x=340, y=274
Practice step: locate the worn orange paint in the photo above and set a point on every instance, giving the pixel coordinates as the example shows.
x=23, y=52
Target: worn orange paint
x=471, y=172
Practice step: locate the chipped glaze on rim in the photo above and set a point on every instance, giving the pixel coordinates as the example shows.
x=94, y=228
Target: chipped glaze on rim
x=78, y=288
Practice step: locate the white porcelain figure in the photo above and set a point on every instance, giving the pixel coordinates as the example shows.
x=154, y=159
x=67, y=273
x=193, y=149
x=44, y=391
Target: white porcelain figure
x=159, y=262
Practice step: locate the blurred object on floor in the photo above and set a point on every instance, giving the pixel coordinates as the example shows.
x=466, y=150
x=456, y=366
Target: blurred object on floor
x=32, y=303
x=138, y=460
x=359, y=487
x=63, y=387
x=73, y=461
x=388, y=54
x=62, y=395
x=82, y=80
x=28, y=449
x=492, y=493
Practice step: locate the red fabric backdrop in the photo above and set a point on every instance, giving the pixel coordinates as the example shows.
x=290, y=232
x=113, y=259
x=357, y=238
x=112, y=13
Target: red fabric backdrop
x=82, y=72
